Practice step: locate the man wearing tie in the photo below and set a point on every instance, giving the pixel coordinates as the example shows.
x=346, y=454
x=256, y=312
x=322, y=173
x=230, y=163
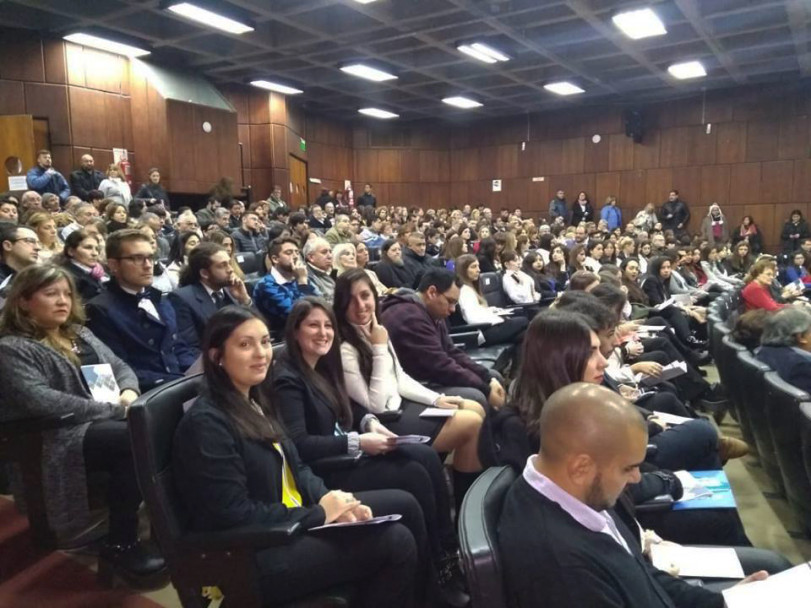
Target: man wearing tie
x=133, y=318
x=207, y=283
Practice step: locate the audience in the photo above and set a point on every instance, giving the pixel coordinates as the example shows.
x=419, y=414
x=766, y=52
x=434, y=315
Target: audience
x=207, y=284
x=317, y=255
x=391, y=269
x=341, y=232
x=9, y=213
x=183, y=244
x=235, y=467
x=794, y=231
x=415, y=257
x=44, y=348
x=45, y=227
x=133, y=318
x=757, y=291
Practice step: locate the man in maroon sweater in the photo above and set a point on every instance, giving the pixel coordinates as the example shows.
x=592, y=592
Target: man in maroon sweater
x=416, y=325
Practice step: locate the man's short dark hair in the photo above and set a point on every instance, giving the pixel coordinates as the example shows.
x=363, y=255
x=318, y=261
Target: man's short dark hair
x=600, y=317
x=296, y=218
x=43, y=151
x=441, y=278
x=275, y=229
x=119, y=237
x=199, y=259
x=274, y=247
x=235, y=201
x=582, y=279
x=8, y=232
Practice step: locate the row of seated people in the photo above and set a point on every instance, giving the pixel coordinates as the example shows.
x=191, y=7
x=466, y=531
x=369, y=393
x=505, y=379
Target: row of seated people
x=322, y=408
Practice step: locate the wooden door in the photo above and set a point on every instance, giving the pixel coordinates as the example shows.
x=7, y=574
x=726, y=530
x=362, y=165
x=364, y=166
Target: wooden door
x=298, y=183
x=17, y=147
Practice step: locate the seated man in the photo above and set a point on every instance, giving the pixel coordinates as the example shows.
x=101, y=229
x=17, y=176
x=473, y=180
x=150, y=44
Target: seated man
x=207, y=284
x=558, y=534
x=19, y=248
x=417, y=329
x=318, y=256
x=248, y=238
x=372, y=235
x=318, y=220
x=341, y=232
x=133, y=318
x=786, y=346
x=415, y=258
x=286, y=282
x=8, y=210
x=83, y=214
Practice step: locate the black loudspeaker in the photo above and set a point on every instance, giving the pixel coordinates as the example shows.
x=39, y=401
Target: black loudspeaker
x=634, y=124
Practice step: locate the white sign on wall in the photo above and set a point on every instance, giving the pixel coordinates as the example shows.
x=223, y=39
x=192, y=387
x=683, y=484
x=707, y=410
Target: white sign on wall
x=496, y=185
x=119, y=154
x=17, y=182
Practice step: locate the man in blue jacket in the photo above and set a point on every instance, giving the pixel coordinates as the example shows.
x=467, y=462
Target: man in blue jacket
x=558, y=207
x=286, y=282
x=44, y=178
x=134, y=319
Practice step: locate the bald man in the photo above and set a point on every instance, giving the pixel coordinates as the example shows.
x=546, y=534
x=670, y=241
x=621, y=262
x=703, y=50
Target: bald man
x=562, y=545
x=86, y=178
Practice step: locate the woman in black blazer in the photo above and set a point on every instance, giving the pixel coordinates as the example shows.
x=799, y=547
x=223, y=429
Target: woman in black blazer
x=81, y=258
x=308, y=384
x=233, y=466
x=582, y=211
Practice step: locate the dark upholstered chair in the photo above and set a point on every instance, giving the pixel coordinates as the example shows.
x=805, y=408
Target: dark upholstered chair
x=748, y=373
x=785, y=423
x=478, y=519
x=250, y=263
x=716, y=330
x=196, y=559
x=725, y=360
x=805, y=411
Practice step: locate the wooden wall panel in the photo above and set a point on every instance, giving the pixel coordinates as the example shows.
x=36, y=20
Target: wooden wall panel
x=279, y=146
x=646, y=154
x=657, y=184
x=507, y=161
x=715, y=184
x=596, y=156
x=620, y=153
x=745, y=186
x=731, y=143
x=21, y=56
x=12, y=97
x=801, y=181
x=50, y=101
x=777, y=178
x=761, y=140
x=410, y=165
x=261, y=157
x=607, y=184
x=55, y=62
x=572, y=155
x=793, y=139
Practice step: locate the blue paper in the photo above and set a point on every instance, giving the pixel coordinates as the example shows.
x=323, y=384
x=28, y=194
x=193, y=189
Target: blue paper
x=721, y=497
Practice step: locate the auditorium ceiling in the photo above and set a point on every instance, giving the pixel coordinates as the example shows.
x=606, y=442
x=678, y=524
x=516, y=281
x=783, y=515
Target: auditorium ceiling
x=304, y=43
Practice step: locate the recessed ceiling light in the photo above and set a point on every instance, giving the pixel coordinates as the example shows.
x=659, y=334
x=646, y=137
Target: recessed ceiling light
x=482, y=52
x=368, y=72
x=638, y=24
x=688, y=69
x=275, y=86
x=365, y=1
x=378, y=113
x=209, y=18
x=462, y=102
x=563, y=88
x=104, y=44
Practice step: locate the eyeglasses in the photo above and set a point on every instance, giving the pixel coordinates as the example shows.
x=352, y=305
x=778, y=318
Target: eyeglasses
x=138, y=260
x=28, y=239
x=451, y=302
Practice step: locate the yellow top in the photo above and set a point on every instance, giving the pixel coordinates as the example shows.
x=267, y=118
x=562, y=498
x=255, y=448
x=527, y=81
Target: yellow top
x=291, y=497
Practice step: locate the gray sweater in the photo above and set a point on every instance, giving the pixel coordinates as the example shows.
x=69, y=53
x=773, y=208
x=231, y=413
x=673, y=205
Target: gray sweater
x=38, y=381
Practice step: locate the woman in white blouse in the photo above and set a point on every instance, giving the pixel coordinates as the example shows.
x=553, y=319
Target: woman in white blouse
x=376, y=381
x=475, y=311
x=115, y=187
x=518, y=285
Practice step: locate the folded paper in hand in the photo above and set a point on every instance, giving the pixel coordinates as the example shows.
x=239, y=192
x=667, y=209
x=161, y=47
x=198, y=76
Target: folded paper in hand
x=101, y=382
x=699, y=562
x=787, y=589
x=437, y=412
x=369, y=522
x=411, y=439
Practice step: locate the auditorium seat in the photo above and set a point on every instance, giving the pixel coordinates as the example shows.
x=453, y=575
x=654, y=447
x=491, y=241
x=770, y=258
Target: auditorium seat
x=223, y=559
x=492, y=286
x=250, y=263
x=478, y=540
x=785, y=423
x=749, y=374
x=716, y=330
x=805, y=411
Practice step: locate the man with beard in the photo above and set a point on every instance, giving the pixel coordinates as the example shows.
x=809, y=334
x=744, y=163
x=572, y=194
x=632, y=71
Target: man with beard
x=391, y=270
x=341, y=232
x=44, y=178
x=207, y=284
x=85, y=179
x=286, y=282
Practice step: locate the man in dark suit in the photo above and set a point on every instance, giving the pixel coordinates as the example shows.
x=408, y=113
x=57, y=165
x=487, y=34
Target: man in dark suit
x=207, y=285
x=561, y=542
x=88, y=178
x=133, y=318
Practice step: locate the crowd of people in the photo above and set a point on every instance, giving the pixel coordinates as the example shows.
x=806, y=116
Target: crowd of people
x=367, y=299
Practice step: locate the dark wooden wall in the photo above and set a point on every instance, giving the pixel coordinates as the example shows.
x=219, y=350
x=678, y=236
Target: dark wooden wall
x=83, y=94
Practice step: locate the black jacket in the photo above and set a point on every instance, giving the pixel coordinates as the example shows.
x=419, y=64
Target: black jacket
x=579, y=215
x=417, y=264
x=392, y=275
x=156, y=191
x=82, y=182
x=792, y=235
x=193, y=308
x=87, y=286
x=307, y=416
x=226, y=480
x=655, y=289
x=248, y=242
x=568, y=565
x=366, y=200
x=791, y=366
x=680, y=212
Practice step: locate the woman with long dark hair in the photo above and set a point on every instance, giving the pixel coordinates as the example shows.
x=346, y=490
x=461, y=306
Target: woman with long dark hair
x=179, y=252
x=488, y=256
x=577, y=259
x=234, y=466
x=749, y=232
x=322, y=421
x=656, y=286
x=533, y=265
x=558, y=267
x=741, y=260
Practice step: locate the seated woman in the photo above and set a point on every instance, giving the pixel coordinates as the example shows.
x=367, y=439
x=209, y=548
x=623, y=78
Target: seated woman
x=233, y=466
x=474, y=308
x=749, y=232
x=786, y=346
x=757, y=292
x=391, y=270
x=362, y=259
x=44, y=225
x=583, y=280
x=577, y=259
x=81, y=258
x=179, y=253
x=344, y=257
x=517, y=284
x=488, y=255
x=376, y=381
x=43, y=347
x=116, y=217
x=595, y=251
x=322, y=421
x=454, y=247
x=796, y=270
x=748, y=328
x=534, y=267
x=656, y=286
x=558, y=267
x=738, y=264
x=714, y=270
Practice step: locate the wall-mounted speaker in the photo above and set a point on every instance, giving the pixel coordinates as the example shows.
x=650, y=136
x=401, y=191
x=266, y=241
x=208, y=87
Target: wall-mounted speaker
x=634, y=124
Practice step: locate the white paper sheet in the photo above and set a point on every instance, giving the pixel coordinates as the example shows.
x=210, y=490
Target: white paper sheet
x=700, y=562
x=789, y=589
x=671, y=419
x=411, y=439
x=651, y=328
x=436, y=412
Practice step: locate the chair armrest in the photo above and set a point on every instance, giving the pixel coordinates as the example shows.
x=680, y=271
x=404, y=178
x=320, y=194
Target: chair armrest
x=455, y=330
x=335, y=463
x=468, y=339
x=25, y=426
x=389, y=416
x=250, y=537
x=657, y=503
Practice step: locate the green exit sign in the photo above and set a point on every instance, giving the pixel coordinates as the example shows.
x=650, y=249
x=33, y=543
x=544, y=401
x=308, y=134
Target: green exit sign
x=302, y=144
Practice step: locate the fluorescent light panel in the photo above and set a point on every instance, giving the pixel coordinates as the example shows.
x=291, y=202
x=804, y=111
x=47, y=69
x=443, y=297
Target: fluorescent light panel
x=364, y=71
x=563, y=88
x=462, y=102
x=209, y=18
x=688, y=69
x=275, y=86
x=471, y=52
x=365, y=1
x=641, y=23
x=111, y=46
x=489, y=51
x=378, y=113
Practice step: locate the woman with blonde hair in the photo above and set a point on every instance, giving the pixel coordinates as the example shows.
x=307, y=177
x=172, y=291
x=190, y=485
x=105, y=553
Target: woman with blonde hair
x=45, y=226
x=344, y=257
x=115, y=187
